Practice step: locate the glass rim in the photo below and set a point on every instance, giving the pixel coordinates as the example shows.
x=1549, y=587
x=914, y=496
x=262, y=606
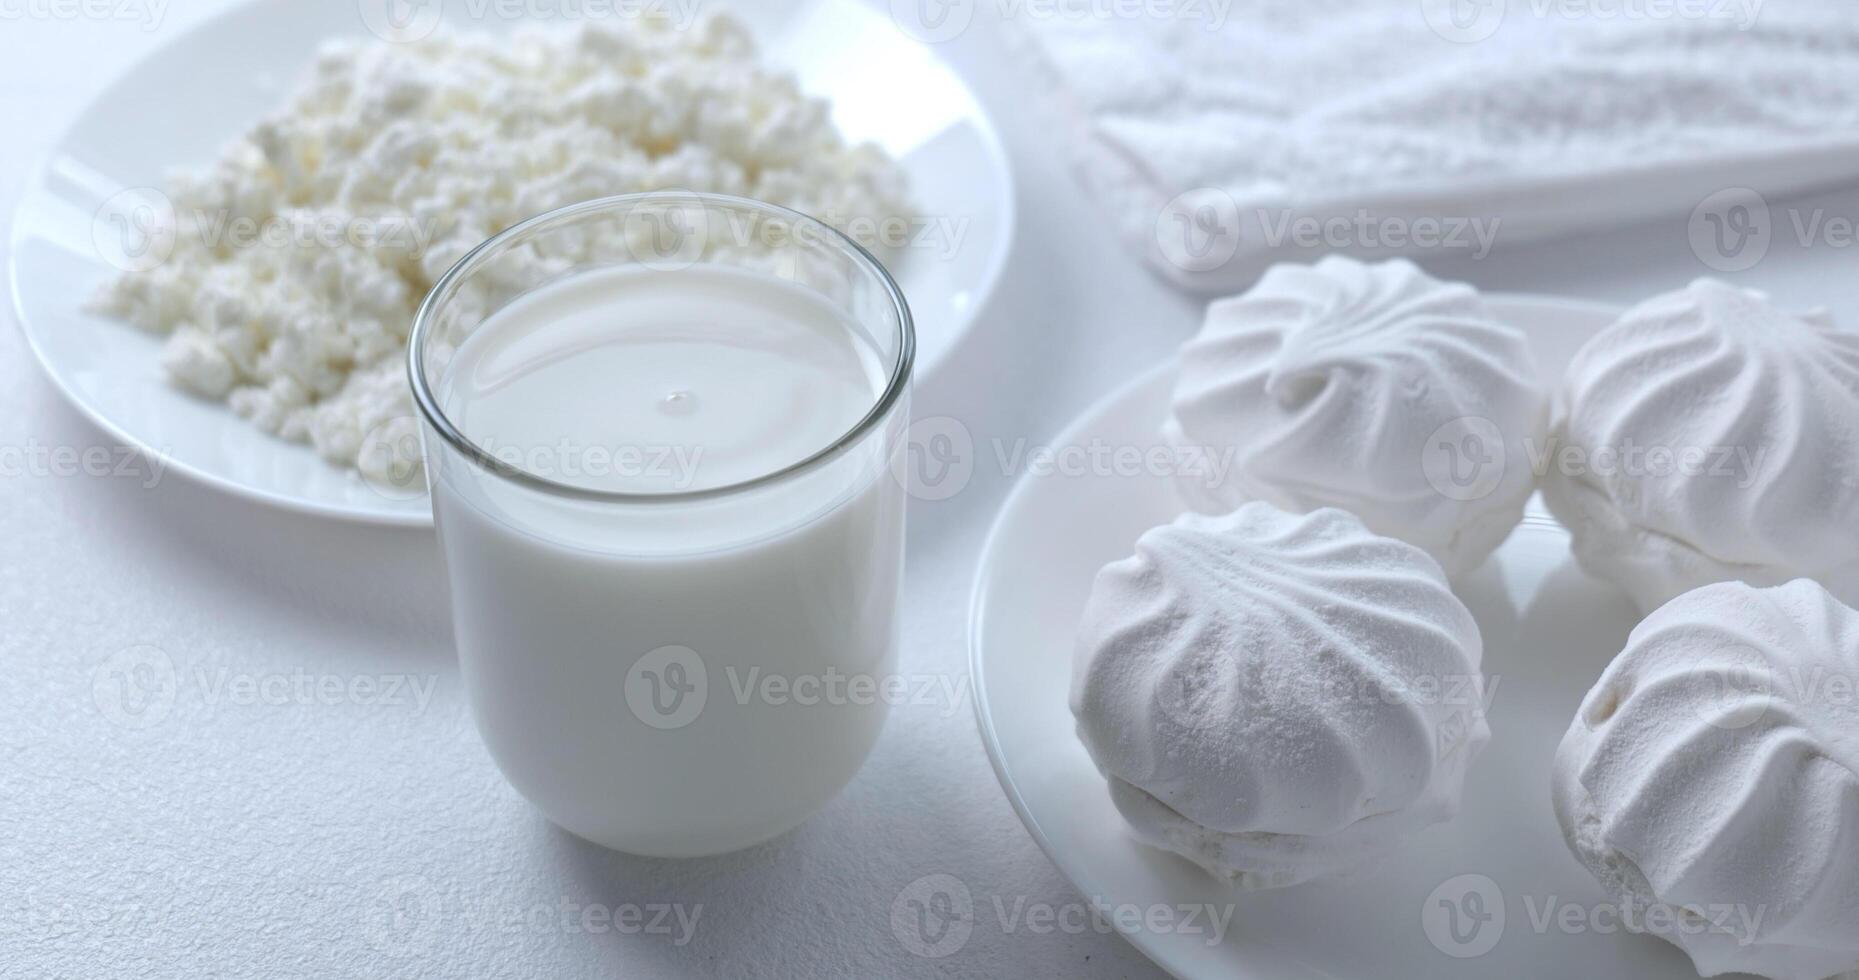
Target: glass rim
x=447, y=284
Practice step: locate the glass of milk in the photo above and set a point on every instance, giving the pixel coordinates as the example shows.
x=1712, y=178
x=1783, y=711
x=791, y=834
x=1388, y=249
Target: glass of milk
x=659, y=432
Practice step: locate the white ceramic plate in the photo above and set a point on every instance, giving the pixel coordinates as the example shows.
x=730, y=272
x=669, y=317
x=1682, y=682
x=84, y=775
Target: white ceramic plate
x=178, y=107
x=1548, y=632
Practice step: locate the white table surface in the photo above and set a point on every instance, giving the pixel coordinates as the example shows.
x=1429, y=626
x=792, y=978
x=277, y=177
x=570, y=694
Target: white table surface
x=267, y=832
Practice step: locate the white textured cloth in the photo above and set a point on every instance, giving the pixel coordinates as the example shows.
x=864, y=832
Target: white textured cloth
x=1221, y=138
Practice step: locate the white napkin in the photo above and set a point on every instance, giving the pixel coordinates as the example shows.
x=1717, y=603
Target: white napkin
x=1222, y=137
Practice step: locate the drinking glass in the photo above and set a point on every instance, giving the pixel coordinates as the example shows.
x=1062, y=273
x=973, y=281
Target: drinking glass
x=690, y=661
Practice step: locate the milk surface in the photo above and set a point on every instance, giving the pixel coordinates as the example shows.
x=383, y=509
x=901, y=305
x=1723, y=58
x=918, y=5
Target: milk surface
x=733, y=373
x=619, y=656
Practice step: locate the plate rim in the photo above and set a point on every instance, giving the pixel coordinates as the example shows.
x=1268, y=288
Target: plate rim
x=978, y=606
x=38, y=177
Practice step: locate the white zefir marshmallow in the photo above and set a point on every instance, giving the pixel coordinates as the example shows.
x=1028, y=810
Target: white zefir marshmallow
x=1374, y=388
x=1276, y=696
x=1710, y=780
x=1711, y=436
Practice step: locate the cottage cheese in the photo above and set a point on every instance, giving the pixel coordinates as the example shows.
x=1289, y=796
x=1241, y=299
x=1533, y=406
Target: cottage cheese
x=301, y=255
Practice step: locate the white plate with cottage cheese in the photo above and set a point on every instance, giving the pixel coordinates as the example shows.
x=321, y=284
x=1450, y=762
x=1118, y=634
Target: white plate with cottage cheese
x=96, y=212
x=1493, y=892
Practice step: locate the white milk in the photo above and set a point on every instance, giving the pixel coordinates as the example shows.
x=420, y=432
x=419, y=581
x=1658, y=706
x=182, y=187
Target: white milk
x=672, y=679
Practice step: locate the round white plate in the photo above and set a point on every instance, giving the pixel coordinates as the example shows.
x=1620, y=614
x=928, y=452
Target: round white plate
x=181, y=105
x=1548, y=631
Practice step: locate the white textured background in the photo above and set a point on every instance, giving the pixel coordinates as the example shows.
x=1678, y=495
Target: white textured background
x=287, y=840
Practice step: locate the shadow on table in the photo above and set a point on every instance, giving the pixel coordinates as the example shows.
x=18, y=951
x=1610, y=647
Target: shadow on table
x=384, y=583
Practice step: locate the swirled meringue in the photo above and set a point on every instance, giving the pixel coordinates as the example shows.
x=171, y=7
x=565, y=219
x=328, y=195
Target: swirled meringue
x=1710, y=436
x=1277, y=697
x=1713, y=773
x=1374, y=388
